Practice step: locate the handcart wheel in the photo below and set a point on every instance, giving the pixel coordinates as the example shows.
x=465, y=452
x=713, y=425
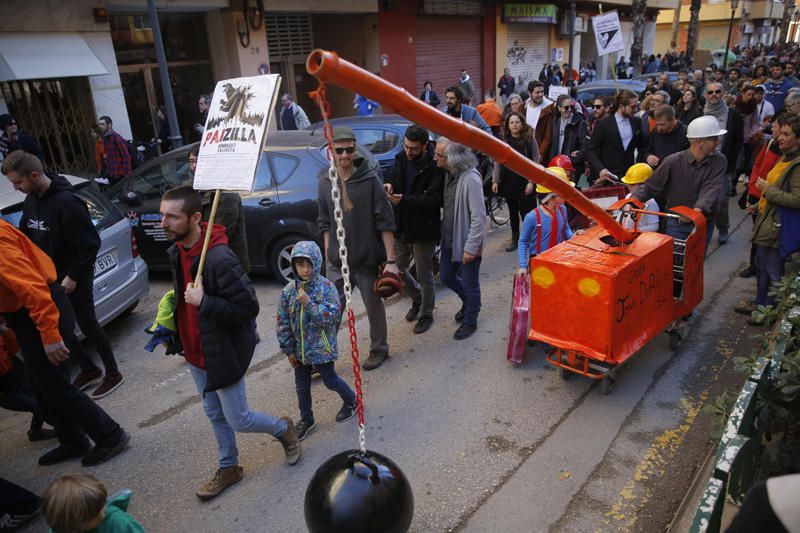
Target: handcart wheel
x=675, y=339
x=607, y=385
x=563, y=373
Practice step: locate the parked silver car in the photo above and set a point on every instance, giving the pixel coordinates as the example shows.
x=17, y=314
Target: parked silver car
x=120, y=274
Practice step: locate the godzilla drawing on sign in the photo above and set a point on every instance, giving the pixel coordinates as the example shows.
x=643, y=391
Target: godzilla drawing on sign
x=234, y=107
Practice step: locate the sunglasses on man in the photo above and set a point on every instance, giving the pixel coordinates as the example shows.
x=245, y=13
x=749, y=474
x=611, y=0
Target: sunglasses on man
x=345, y=150
x=718, y=91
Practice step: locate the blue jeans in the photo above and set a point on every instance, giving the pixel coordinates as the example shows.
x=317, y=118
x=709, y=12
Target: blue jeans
x=302, y=381
x=228, y=412
x=769, y=270
x=463, y=279
x=681, y=230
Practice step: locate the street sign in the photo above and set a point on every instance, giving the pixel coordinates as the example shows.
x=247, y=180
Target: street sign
x=236, y=126
x=607, y=33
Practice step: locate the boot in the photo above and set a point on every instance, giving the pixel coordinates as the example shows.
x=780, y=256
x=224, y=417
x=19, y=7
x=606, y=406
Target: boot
x=290, y=442
x=223, y=478
x=514, y=242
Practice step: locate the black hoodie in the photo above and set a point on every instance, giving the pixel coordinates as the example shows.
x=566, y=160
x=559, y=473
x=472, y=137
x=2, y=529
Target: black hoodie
x=58, y=222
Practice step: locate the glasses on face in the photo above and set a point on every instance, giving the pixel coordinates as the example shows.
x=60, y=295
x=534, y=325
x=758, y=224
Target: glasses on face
x=718, y=91
x=568, y=107
x=345, y=150
x=599, y=105
x=192, y=160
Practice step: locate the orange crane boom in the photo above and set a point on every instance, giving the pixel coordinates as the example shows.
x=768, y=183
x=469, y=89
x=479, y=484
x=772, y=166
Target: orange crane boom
x=328, y=67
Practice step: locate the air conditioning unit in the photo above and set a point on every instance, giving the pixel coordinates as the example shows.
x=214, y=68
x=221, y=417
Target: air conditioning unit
x=581, y=23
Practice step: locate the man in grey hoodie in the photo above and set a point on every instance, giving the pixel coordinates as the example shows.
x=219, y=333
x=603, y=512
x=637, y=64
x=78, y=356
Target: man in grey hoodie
x=369, y=231
x=463, y=230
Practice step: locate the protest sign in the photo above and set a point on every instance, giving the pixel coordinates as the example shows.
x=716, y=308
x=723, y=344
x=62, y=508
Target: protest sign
x=236, y=126
x=607, y=33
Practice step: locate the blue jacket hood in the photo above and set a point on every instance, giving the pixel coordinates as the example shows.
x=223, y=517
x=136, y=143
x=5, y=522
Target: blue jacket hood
x=310, y=251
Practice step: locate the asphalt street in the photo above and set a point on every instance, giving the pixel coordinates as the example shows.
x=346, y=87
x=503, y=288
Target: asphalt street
x=487, y=446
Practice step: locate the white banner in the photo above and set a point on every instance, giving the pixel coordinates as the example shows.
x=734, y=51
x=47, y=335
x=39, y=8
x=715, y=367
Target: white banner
x=555, y=91
x=607, y=33
x=237, y=122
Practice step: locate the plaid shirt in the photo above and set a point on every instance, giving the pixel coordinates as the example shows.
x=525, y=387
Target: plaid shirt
x=118, y=159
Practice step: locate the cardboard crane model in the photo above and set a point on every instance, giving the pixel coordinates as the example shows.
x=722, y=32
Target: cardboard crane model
x=606, y=292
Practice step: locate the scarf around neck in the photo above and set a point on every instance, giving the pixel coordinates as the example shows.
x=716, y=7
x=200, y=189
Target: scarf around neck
x=745, y=108
x=718, y=111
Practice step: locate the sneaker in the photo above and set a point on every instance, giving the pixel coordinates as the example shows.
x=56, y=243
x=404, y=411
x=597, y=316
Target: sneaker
x=723, y=237
x=464, y=331
x=346, y=412
x=109, y=384
x=513, y=246
x=101, y=454
x=413, y=312
x=102, y=181
x=36, y=435
x=290, y=442
x=745, y=308
x=20, y=516
x=748, y=272
x=423, y=324
x=374, y=360
x=63, y=453
x=84, y=379
x=223, y=478
x=303, y=428
x=460, y=314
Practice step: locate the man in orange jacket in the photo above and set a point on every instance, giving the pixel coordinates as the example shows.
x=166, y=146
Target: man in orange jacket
x=38, y=311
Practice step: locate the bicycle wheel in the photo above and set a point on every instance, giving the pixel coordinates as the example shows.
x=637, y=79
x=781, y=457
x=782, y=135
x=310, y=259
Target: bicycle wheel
x=498, y=210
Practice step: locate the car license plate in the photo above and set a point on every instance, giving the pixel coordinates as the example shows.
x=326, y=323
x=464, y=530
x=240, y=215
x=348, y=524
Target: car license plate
x=105, y=262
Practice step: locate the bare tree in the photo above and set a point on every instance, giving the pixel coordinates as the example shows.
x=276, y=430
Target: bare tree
x=638, y=9
x=676, y=25
x=691, y=38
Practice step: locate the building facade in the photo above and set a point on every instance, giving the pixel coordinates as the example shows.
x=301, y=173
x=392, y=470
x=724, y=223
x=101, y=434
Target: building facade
x=755, y=21
x=532, y=34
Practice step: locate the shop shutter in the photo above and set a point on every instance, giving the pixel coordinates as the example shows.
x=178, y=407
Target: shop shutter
x=289, y=34
x=444, y=46
x=527, y=51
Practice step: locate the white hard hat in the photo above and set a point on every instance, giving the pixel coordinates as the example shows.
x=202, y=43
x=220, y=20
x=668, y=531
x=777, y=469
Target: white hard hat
x=704, y=127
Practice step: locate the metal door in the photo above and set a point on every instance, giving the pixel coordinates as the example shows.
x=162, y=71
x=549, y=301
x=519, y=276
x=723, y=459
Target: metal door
x=59, y=114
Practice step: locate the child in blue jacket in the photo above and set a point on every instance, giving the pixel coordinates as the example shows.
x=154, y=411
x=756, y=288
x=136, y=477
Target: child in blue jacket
x=308, y=320
x=545, y=226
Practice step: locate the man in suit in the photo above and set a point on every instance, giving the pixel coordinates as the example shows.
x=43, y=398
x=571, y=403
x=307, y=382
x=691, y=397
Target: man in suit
x=615, y=139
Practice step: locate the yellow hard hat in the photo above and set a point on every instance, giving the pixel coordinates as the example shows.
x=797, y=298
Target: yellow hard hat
x=638, y=173
x=558, y=171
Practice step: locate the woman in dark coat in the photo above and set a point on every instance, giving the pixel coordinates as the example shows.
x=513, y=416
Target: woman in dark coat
x=688, y=107
x=429, y=95
x=517, y=190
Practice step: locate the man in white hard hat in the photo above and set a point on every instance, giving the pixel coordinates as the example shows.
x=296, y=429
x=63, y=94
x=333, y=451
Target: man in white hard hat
x=693, y=177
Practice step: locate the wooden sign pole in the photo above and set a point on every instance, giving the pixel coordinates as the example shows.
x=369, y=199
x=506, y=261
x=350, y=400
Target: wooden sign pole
x=213, y=215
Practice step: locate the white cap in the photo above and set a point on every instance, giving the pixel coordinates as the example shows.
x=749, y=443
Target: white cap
x=704, y=127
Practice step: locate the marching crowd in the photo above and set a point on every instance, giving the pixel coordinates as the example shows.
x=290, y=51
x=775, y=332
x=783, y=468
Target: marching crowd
x=687, y=144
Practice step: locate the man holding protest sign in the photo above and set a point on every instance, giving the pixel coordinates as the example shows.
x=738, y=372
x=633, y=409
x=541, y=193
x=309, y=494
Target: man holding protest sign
x=215, y=300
